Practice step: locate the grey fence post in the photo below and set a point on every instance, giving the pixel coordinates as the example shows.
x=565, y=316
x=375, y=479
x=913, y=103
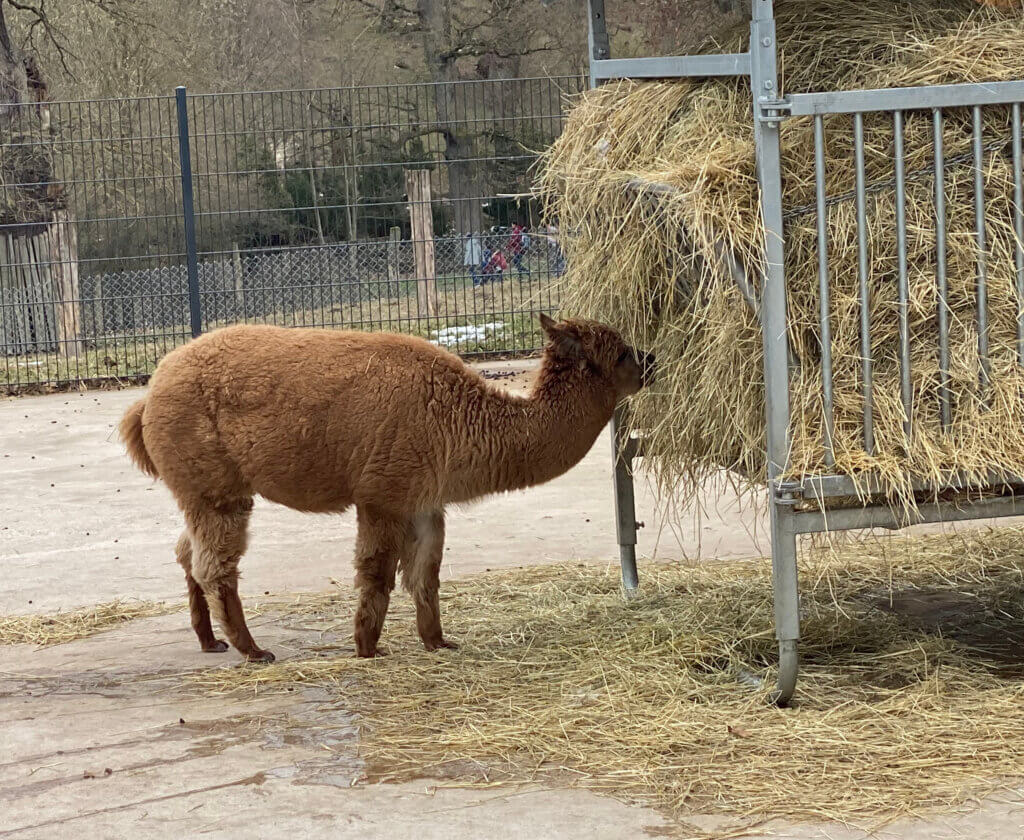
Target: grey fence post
x=623, y=451
x=764, y=82
x=188, y=212
x=597, y=37
x=599, y=49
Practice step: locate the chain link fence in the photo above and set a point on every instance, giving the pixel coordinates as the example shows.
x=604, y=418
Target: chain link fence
x=128, y=226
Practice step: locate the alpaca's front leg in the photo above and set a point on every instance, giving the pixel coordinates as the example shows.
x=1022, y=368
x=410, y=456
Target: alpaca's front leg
x=378, y=545
x=421, y=573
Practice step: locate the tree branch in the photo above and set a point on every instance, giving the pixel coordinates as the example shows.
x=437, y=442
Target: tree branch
x=483, y=48
x=5, y=36
x=53, y=35
x=390, y=14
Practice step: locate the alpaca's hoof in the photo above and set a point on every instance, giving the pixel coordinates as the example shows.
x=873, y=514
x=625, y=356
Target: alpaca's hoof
x=376, y=652
x=440, y=645
x=261, y=656
x=217, y=646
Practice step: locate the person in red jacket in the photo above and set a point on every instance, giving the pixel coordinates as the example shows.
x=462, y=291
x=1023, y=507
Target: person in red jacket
x=495, y=264
x=517, y=243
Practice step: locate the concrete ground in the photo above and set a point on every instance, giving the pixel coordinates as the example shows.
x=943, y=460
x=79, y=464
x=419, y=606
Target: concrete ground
x=99, y=736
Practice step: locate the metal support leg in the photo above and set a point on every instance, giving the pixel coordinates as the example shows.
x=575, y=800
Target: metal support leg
x=787, y=598
x=625, y=504
x=764, y=81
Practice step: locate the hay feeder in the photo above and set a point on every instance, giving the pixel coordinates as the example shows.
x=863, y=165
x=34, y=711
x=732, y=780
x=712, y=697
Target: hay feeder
x=831, y=496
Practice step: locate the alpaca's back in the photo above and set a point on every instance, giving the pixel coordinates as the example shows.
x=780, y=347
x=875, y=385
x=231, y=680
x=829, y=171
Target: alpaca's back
x=313, y=419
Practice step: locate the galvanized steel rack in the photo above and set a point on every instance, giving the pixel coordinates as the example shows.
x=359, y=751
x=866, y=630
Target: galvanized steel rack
x=770, y=112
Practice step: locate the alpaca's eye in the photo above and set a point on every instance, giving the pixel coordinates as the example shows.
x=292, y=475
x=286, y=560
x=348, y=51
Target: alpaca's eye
x=622, y=358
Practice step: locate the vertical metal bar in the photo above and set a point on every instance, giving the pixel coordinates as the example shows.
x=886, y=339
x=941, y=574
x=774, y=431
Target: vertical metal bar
x=625, y=504
x=979, y=226
x=598, y=45
x=945, y=398
x=823, y=290
x=906, y=391
x=625, y=509
x=1018, y=226
x=764, y=84
x=862, y=276
x=188, y=211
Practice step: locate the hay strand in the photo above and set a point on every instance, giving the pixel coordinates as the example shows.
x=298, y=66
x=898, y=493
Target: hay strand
x=911, y=699
x=59, y=628
x=652, y=265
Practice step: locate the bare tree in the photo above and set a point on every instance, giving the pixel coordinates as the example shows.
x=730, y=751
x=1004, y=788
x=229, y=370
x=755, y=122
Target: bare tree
x=13, y=78
x=461, y=41
x=37, y=245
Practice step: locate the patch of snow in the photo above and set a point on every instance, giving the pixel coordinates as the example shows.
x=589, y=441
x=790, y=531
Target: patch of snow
x=450, y=336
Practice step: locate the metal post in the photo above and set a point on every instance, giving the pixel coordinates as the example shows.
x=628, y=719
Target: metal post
x=902, y=282
x=188, y=212
x=824, y=298
x=945, y=396
x=764, y=83
x=625, y=504
x=985, y=375
x=862, y=277
x=599, y=48
x=1018, y=225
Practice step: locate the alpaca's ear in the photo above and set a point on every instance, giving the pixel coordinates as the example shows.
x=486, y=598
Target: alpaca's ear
x=548, y=324
x=565, y=340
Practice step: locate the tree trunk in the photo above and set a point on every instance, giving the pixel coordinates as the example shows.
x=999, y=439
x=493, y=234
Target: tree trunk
x=465, y=184
x=39, y=287
x=13, y=78
x=39, y=290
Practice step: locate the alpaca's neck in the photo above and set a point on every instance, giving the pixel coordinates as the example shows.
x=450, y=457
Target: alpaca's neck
x=528, y=441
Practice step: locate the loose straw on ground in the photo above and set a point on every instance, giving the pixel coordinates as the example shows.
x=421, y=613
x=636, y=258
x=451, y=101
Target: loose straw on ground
x=58, y=628
x=911, y=699
x=650, y=264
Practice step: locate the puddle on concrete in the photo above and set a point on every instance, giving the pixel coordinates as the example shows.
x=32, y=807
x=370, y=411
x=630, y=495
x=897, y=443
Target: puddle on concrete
x=289, y=771
x=309, y=720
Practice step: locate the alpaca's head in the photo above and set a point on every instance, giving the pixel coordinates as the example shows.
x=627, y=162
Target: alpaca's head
x=598, y=350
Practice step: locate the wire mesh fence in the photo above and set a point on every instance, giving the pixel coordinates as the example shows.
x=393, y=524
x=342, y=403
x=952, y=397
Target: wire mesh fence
x=128, y=226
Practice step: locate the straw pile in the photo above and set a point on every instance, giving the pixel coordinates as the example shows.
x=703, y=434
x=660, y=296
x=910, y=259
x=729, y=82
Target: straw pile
x=903, y=707
x=650, y=265
x=59, y=628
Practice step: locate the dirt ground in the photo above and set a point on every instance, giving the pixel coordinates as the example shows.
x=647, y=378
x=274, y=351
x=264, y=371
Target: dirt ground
x=101, y=738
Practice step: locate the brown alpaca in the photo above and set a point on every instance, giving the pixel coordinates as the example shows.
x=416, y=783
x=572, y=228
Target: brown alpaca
x=320, y=420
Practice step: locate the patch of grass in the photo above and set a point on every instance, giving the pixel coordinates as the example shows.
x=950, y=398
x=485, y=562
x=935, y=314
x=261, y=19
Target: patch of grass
x=511, y=306
x=899, y=711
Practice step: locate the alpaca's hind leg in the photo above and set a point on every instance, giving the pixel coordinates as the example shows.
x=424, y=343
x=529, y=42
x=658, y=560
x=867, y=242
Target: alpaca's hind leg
x=218, y=542
x=197, y=605
x=377, y=548
x=421, y=573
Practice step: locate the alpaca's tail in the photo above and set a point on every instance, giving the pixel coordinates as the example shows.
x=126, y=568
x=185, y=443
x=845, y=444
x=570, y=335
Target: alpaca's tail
x=131, y=434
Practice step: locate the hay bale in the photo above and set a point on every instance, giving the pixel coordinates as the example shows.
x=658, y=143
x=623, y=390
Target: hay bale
x=651, y=266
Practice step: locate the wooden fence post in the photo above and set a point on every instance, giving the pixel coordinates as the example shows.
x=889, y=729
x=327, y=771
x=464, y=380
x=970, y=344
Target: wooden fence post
x=63, y=242
x=238, y=277
x=394, y=256
x=417, y=183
